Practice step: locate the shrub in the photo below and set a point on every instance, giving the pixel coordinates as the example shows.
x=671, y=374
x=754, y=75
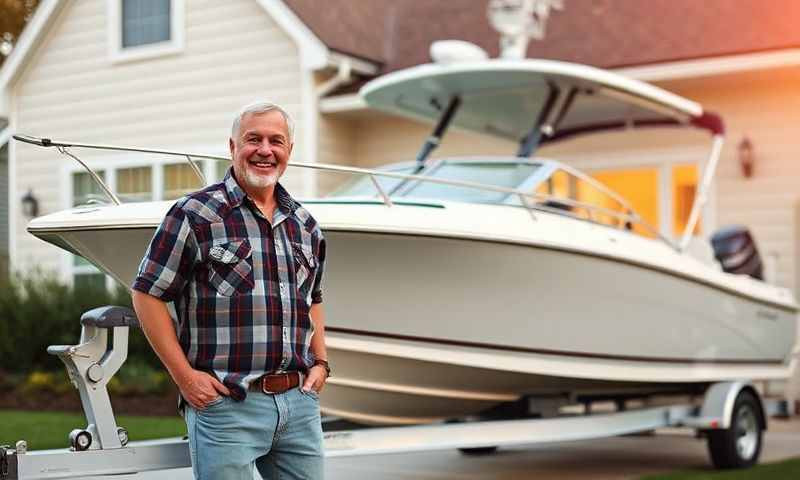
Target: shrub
x=37, y=311
x=38, y=382
x=139, y=378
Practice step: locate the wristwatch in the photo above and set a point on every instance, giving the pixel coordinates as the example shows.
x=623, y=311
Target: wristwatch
x=324, y=364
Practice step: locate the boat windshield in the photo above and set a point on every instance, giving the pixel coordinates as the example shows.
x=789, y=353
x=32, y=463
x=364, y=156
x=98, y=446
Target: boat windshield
x=509, y=174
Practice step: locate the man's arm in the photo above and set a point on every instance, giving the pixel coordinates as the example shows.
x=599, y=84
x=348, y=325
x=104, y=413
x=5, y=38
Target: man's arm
x=317, y=375
x=198, y=388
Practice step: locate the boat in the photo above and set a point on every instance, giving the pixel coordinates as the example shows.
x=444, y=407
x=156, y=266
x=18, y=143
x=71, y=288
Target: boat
x=459, y=287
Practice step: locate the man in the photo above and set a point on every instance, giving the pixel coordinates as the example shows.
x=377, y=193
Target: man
x=242, y=262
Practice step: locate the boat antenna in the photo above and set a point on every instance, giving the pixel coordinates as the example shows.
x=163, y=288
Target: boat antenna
x=518, y=21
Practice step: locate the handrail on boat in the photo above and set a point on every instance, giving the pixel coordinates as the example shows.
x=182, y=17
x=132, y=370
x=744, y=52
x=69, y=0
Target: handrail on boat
x=625, y=219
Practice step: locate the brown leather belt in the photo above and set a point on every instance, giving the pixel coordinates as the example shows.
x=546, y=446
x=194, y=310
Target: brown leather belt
x=273, y=383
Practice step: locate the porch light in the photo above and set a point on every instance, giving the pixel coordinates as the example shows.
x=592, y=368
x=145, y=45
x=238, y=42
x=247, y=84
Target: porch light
x=30, y=205
x=747, y=157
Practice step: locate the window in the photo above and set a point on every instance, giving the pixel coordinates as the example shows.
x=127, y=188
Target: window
x=135, y=184
x=593, y=202
x=639, y=187
x=684, y=188
x=179, y=179
x=140, y=29
x=361, y=185
x=145, y=22
x=86, y=191
x=668, y=211
x=151, y=180
x=221, y=168
x=505, y=175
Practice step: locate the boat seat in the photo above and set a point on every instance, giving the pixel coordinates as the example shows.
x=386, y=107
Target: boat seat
x=110, y=316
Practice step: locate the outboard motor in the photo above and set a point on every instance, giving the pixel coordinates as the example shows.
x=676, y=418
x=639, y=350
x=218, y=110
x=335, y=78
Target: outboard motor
x=736, y=250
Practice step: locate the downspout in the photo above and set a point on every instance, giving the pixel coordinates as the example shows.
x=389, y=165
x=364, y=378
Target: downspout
x=343, y=76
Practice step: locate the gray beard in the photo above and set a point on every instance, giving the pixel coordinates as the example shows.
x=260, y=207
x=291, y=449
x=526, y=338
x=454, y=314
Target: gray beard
x=259, y=181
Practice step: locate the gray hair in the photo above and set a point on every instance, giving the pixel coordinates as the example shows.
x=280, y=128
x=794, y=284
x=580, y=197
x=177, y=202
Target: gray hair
x=258, y=108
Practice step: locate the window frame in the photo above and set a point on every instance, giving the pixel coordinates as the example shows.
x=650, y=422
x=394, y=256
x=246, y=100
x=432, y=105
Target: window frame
x=110, y=165
x=664, y=161
x=120, y=54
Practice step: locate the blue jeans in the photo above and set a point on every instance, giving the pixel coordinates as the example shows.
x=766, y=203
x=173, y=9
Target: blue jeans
x=280, y=434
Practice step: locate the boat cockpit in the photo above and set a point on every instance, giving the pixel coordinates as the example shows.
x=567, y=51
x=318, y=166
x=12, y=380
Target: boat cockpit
x=540, y=184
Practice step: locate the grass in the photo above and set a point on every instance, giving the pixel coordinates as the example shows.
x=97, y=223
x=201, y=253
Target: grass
x=788, y=469
x=44, y=430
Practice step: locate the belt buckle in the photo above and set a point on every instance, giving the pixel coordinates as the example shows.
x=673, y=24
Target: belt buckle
x=264, y=386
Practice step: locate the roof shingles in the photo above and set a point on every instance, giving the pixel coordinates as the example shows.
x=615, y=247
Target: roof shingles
x=603, y=33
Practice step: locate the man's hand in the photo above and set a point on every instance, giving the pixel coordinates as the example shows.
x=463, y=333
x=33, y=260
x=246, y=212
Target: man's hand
x=315, y=380
x=199, y=388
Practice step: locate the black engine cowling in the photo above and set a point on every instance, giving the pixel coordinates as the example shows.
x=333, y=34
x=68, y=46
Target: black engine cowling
x=736, y=251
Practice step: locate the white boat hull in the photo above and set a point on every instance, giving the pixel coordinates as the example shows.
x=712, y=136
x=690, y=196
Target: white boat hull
x=425, y=327
x=458, y=326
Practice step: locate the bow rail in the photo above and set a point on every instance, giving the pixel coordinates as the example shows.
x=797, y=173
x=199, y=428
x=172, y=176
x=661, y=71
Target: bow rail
x=529, y=200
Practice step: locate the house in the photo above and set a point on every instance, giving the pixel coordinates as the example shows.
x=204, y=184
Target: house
x=171, y=73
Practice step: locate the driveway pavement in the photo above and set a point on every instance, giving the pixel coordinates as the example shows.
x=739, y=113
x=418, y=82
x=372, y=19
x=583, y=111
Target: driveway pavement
x=612, y=458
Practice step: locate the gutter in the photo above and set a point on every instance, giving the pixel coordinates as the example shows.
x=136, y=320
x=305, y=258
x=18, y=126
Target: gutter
x=343, y=76
x=345, y=66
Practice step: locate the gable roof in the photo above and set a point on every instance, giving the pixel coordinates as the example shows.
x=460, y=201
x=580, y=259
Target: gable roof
x=602, y=33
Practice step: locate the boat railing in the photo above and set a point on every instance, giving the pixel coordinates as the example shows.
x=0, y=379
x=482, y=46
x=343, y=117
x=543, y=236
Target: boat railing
x=625, y=218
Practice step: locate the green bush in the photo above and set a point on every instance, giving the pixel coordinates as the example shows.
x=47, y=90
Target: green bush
x=139, y=378
x=37, y=311
x=38, y=382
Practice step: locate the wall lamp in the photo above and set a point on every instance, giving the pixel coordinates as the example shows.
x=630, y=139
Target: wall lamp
x=30, y=205
x=747, y=157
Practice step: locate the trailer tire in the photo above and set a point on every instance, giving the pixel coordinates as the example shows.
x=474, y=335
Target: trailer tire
x=738, y=446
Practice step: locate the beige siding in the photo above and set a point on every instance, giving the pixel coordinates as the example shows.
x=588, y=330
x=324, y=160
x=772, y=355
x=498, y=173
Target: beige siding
x=234, y=53
x=337, y=145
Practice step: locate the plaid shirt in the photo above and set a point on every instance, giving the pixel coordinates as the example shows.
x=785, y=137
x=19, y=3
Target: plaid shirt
x=242, y=288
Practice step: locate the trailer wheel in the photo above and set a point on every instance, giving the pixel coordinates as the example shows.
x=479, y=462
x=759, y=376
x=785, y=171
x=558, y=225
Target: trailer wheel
x=476, y=451
x=740, y=445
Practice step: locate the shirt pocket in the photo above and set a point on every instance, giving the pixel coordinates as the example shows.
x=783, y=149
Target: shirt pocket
x=305, y=265
x=230, y=268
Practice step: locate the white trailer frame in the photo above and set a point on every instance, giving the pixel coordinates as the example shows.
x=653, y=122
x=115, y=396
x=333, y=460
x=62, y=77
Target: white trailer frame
x=93, y=362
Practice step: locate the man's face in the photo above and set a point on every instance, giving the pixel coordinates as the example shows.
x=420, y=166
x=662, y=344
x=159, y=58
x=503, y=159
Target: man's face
x=261, y=150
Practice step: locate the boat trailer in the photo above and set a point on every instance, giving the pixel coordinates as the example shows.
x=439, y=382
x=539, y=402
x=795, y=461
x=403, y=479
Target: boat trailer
x=732, y=415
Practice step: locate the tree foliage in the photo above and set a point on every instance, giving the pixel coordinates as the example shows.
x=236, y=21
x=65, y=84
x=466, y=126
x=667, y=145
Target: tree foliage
x=14, y=14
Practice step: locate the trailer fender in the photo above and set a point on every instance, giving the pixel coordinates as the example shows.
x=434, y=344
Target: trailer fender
x=718, y=403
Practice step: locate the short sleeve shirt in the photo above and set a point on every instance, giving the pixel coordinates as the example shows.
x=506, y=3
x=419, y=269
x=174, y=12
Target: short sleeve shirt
x=242, y=287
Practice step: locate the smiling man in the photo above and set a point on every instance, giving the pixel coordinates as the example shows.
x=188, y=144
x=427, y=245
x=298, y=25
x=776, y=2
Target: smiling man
x=242, y=261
